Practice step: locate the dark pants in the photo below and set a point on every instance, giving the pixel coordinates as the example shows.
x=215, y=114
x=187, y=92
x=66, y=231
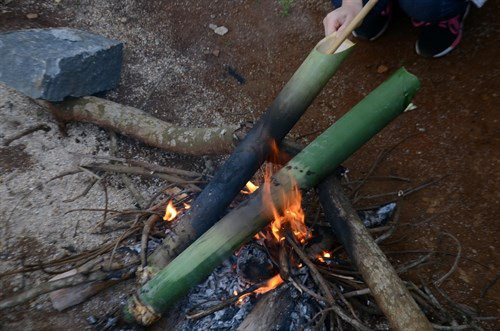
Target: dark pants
x=421, y=10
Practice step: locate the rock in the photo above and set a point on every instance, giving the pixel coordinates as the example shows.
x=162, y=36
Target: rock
x=216, y=52
x=31, y=16
x=221, y=30
x=54, y=63
x=382, y=68
x=212, y=26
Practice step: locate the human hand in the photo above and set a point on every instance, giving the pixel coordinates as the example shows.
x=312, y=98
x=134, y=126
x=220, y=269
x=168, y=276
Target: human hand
x=337, y=20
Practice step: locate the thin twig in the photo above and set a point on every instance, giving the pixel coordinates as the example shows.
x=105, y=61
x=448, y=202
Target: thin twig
x=382, y=156
x=455, y=263
x=223, y=304
x=340, y=312
x=25, y=132
x=84, y=192
x=413, y=264
x=64, y=174
x=135, y=170
x=70, y=281
x=145, y=236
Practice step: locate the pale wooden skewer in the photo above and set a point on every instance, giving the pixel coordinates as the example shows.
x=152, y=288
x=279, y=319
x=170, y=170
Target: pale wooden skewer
x=332, y=42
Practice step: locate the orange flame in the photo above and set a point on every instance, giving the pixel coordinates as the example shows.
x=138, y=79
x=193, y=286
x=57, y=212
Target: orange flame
x=272, y=283
x=293, y=214
x=250, y=188
x=170, y=212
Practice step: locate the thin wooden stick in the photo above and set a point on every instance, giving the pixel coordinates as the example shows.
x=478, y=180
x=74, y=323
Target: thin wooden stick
x=332, y=42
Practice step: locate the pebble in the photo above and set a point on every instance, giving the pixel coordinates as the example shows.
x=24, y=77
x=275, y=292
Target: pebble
x=382, y=68
x=123, y=20
x=221, y=30
x=212, y=26
x=32, y=16
x=216, y=52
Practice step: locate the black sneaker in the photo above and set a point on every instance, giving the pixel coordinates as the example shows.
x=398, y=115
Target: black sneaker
x=438, y=39
x=374, y=24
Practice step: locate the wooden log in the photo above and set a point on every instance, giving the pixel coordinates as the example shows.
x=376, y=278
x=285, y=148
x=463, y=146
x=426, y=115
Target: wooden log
x=385, y=285
x=272, y=312
x=306, y=170
x=250, y=154
x=137, y=124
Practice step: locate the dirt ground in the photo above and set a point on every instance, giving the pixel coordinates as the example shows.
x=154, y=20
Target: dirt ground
x=179, y=70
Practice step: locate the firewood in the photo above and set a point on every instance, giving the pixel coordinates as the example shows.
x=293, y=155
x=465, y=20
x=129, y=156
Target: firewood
x=139, y=125
x=387, y=288
x=271, y=312
x=305, y=170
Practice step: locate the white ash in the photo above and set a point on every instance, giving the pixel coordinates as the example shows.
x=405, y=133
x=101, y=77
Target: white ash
x=378, y=217
x=220, y=285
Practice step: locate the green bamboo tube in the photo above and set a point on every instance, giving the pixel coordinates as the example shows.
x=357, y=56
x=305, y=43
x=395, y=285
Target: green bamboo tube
x=308, y=168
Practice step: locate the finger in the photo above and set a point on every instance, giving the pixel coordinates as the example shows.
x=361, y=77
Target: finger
x=331, y=23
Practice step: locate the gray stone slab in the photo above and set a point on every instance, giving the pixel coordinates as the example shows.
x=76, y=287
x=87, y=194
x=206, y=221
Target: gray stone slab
x=54, y=63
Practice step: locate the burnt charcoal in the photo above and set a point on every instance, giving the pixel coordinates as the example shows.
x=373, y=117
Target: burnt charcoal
x=254, y=266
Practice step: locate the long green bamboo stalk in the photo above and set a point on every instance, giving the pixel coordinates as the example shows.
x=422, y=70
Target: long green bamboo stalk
x=307, y=169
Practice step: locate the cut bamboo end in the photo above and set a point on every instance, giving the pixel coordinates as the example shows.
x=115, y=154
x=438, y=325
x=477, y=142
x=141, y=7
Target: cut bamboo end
x=324, y=45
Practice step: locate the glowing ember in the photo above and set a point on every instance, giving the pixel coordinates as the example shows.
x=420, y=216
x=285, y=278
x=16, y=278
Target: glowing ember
x=321, y=259
x=187, y=206
x=250, y=188
x=270, y=284
x=327, y=255
x=170, y=212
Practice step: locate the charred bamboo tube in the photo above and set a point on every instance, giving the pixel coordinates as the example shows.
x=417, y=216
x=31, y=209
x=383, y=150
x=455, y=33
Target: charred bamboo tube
x=249, y=155
x=306, y=169
x=385, y=285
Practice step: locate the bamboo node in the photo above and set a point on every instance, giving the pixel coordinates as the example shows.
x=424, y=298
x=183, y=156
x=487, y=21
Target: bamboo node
x=142, y=313
x=144, y=275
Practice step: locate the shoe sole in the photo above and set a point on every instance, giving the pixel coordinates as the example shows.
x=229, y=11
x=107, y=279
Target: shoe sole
x=377, y=35
x=455, y=43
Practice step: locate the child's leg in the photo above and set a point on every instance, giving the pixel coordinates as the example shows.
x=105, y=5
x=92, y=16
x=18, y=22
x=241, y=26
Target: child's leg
x=432, y=10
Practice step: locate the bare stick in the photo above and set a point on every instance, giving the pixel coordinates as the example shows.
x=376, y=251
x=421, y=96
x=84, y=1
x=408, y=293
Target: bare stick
x=77, y=279
x=38, y=127
x=84, y=192
x=319, y=279
x=140, y=171
x=340, y=312
x=145, y=235
x=223, y=304
x=332, y=42
x=455, y=264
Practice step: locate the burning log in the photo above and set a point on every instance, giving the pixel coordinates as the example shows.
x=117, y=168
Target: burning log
x=305, y=170
x=385, y=285
x=251, y=153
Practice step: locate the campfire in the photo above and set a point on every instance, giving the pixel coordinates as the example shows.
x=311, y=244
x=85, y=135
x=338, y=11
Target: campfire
x=286, y=249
